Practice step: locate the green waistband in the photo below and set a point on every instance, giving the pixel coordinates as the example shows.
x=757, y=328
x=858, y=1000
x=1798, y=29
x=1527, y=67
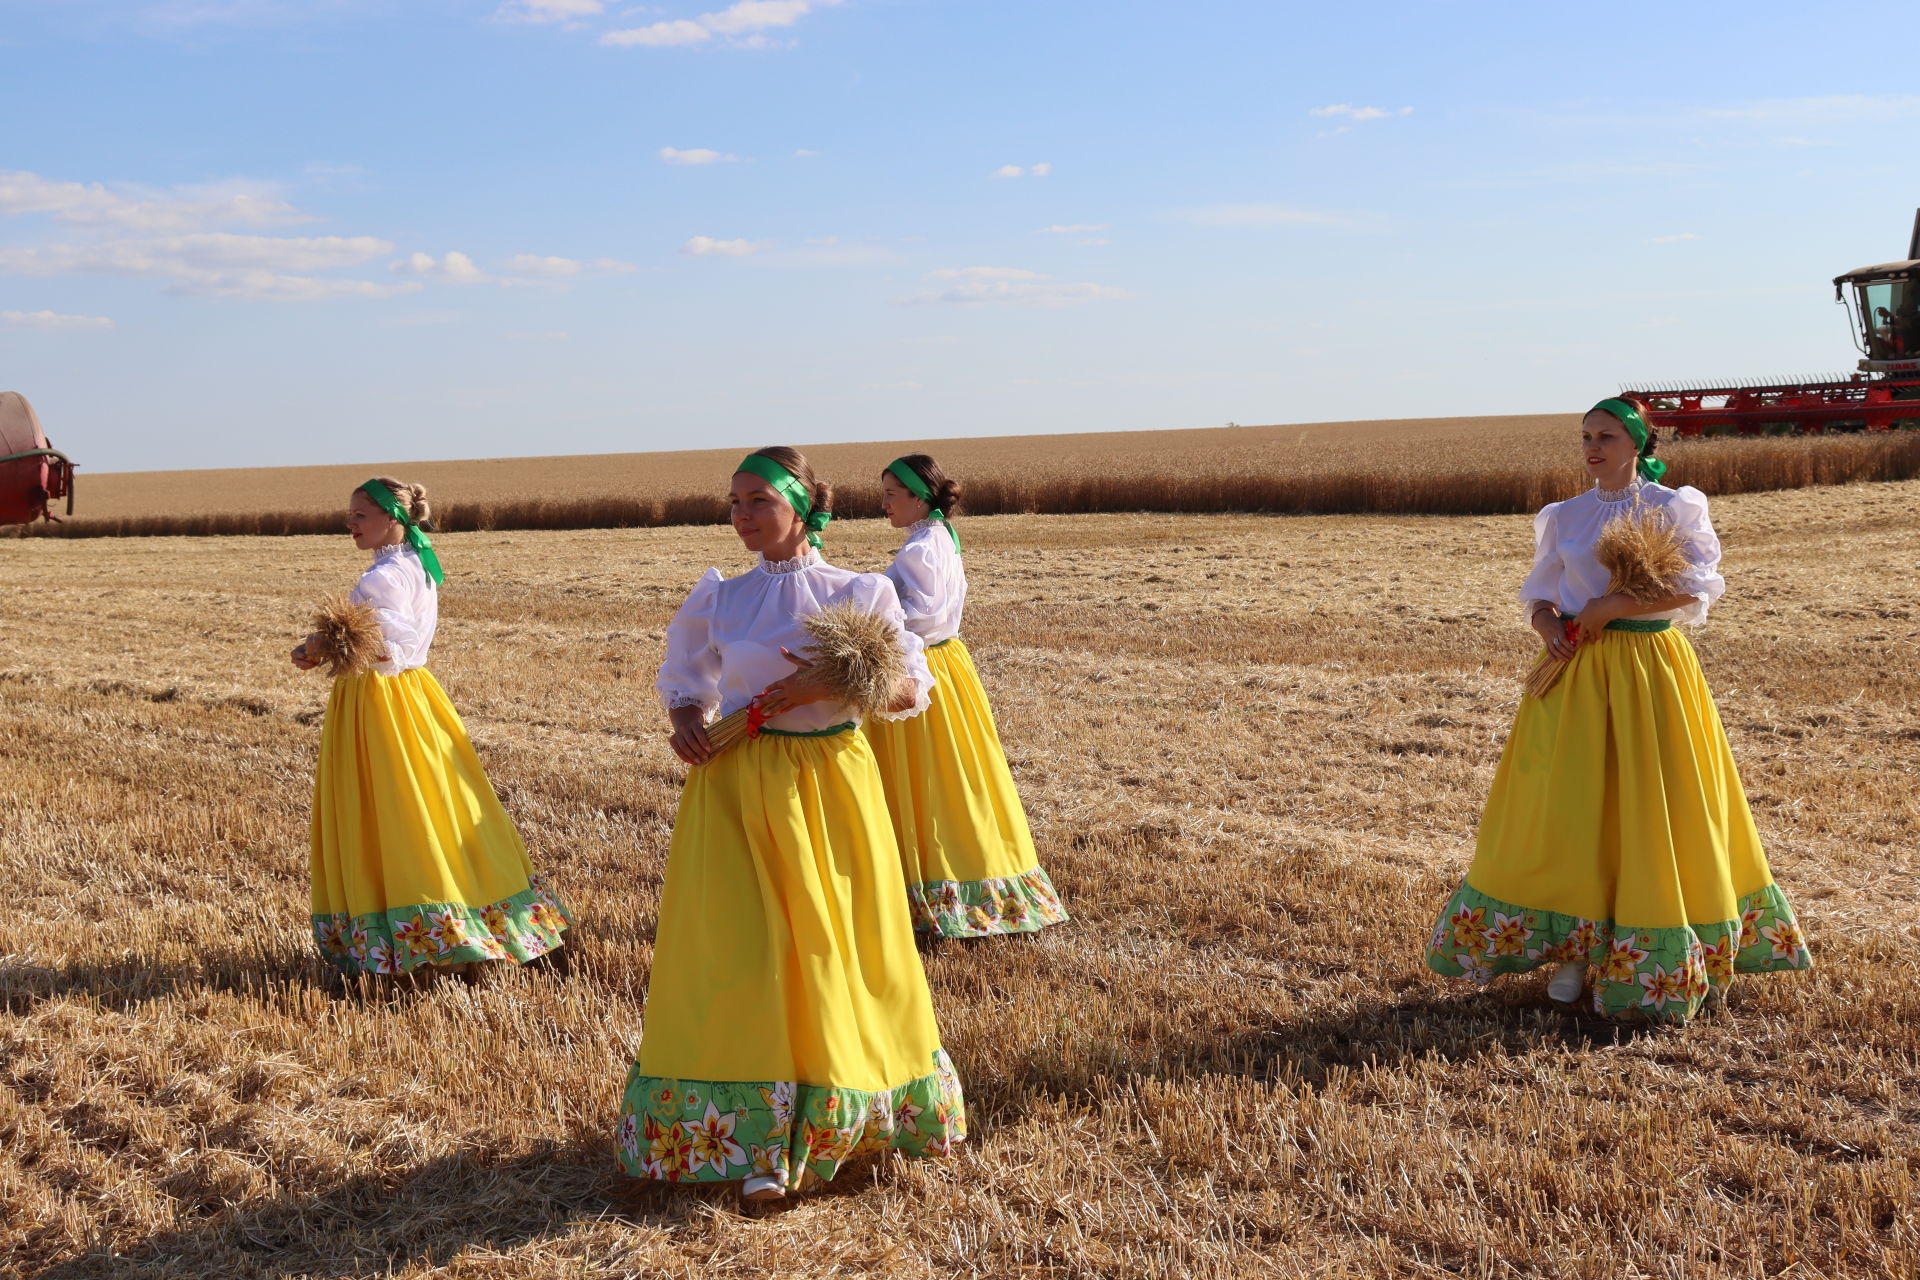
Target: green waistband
x=1632, y=624
x=937, y=643
x=827, y=732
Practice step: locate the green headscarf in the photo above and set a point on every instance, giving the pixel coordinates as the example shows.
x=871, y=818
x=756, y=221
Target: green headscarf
x=907, y=476
x=787, y=486
x=416, y=539
x=1629, y=415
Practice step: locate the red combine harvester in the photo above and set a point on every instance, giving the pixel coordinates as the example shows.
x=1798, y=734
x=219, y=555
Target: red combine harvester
x=33, y=474
x=1884, y=303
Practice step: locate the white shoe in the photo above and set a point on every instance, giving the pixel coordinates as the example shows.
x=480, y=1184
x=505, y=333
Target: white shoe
x=764, y=1186
x=1567, y=980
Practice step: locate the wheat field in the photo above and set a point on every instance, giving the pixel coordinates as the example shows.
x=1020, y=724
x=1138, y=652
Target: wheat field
x=1253, y=750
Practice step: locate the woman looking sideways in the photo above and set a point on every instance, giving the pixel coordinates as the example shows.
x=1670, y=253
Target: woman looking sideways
x=1617, y=835
x=788, y=1023
x=970, y=864
x=415, y=863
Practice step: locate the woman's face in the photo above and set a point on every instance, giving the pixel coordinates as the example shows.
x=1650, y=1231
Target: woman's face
x=761, y=516
x=902, y=508
x=1608, y=449
x=370, y=526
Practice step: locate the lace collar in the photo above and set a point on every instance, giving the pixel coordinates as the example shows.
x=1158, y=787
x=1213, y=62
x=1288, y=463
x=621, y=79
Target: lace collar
x=1627, y=494
x=918, y=525
x=388, y=552
x=805, y=560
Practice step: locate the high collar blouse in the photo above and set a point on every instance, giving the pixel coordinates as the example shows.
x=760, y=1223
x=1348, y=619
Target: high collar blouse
x=931, y=581
x=723, y=646
x=405, y=602
x=1567, y=575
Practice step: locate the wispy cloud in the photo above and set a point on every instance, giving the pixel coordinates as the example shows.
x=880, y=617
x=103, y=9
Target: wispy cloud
x=221, y=264
x=1073, y=228
x=1040, y=170
x=540, y=11
x=695, y=156
x=708, y=247
x=53, y=322
x=805, y=153
x=1841, y=108
x=454, y=268
x=1262, y=215
x=1009, y=286
x=1359, y=115
x=131, y=208
x=541, y=266
x=741, y=24
x=1684, y=235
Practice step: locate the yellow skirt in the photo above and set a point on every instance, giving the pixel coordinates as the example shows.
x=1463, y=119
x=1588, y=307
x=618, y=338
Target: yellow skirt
x=1617, y=832
x=970, y=864
x=788, y=1023
x=414, y=861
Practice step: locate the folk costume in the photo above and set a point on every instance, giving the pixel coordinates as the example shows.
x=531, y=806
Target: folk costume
x=970, y=864
x=788, y=1022
x=414, y=860
x=1617, y=832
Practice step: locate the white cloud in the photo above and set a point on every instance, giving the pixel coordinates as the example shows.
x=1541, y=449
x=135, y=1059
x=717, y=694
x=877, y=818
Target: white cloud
x=220, y=265
x=741, y=23
x=548, y=10
x=1685, y=235
x=1260, y=215
x=975, y=286
x=658, y=35
x=695, y=155
x=1341, y=110
x=546, y=267
x=1073, y=228
x=53, y=322
x=178, y=208
x=805, y=153
x=454, y=268
x=708, y=247
x=1040, y=170
x=1842, y=108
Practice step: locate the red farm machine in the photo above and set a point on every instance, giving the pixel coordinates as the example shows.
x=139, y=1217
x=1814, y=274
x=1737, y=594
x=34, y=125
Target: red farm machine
x=1884, y=303
x=33, y=474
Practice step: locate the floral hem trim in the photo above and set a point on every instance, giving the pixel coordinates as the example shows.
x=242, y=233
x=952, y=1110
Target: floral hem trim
x=725, y=1130
x=1664, y=974
x=520, y=928
x=1025, y=903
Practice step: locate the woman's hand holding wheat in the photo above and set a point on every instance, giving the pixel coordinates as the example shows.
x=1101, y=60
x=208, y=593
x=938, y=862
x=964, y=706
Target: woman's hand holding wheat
x=1553, y=633
x=689, y=740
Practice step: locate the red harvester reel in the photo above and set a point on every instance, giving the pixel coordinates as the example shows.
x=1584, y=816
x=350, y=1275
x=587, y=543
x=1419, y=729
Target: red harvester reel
x=32, y=473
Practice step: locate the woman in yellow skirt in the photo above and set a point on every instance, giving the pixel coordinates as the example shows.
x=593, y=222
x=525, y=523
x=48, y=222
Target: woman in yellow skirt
x=1617, y=837
x=788, y=1023
x=414, y=861
x=970, y=863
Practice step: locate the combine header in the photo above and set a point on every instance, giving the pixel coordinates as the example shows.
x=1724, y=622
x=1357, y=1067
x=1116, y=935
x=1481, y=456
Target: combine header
x=1884, y=303
x=33, y=474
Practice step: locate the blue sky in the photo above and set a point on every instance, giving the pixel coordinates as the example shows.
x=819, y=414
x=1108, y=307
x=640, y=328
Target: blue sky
x=251, y=232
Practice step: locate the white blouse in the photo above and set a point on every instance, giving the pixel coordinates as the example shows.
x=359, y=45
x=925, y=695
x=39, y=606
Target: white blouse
x=931, y=581
x=405, y=602
x=723, y=646
x=1567, y=576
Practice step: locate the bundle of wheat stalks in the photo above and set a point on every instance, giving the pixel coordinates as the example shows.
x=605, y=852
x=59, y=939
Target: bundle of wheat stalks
x=855, y=654
x=1644, y=556
x=347, y=636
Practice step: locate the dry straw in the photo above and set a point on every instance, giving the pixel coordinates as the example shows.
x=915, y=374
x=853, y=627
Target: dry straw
x=855, y=654
x=348, y=637
x=1644, y=556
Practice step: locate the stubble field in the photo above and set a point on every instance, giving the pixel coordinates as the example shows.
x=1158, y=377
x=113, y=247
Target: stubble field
x=1254, y=751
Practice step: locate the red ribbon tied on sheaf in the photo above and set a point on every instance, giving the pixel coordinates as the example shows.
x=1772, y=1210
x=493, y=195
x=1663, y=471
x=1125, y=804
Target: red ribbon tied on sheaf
x=1573, y=634
x=756, y=718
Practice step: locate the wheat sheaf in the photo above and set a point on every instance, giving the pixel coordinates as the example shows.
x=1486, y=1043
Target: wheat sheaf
x=855, y=654
x=349, y=639
x=1644, y=556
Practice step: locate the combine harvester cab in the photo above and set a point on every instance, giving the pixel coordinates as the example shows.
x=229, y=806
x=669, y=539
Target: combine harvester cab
x=1884, y=304
x=33, y=474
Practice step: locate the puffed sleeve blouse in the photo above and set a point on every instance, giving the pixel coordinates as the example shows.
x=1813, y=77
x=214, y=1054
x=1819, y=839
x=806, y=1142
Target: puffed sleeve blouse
x=406, y=604
x=723, y=646
x=931, y=581
x=1567, y=575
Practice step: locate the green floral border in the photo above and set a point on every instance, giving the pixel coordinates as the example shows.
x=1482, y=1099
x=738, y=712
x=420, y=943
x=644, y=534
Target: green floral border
x=520, y=928
x=1025, y=903
x=1663, y=974
x=725, y=1130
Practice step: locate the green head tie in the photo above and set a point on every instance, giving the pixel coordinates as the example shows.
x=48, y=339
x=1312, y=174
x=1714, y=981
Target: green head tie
x=422, y=546
x=787, y=486
x=1629, y=416
x=907, y=476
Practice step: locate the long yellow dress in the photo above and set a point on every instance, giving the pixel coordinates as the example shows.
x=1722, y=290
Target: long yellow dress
x=1617, y=831
x=788, y=1023
x=965, y=846
x=414, y=861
